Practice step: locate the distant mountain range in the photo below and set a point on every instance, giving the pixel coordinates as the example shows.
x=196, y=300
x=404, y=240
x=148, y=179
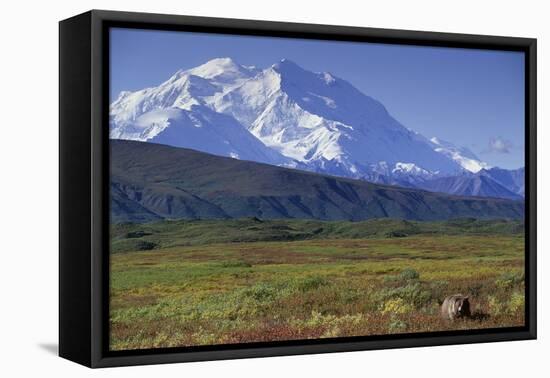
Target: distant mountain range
x=152, y=182
x=494, y=182
x=290, y=117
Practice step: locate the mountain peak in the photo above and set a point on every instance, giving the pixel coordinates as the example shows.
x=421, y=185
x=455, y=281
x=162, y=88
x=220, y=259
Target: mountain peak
x=222, y=61
x=286, y=66
x=218, y=64
x=223, y=68
x=210, y=69
x=286, y=61
x=314, y=120
x=289, y=68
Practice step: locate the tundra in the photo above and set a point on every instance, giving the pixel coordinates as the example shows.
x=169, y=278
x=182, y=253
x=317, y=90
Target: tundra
x=455, y=306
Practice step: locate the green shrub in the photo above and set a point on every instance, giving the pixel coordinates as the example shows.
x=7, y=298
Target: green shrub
x=409, y=274
x=144, y=245
x=509, y=280
x=350, y=296
x=412, y=293
x=310, y=283
x=261, y=292
x=235, y=264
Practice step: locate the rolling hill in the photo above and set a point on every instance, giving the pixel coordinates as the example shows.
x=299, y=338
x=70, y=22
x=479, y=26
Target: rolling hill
x=151, y=182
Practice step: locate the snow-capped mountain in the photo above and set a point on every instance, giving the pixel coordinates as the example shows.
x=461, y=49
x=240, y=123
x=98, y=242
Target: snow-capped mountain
x=285, y=115
x=178, y=113
x=202, y=129
x=325, y=123
x=462, y=155
x=197, y=86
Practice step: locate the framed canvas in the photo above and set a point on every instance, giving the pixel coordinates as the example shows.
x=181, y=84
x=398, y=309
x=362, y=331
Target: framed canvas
x=234, y=188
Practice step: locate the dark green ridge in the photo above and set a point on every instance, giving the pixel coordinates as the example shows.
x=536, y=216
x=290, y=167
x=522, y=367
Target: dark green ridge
x=151, y=182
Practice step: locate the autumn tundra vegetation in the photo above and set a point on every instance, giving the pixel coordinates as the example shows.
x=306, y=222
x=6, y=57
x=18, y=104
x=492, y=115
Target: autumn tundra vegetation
x=188, y=283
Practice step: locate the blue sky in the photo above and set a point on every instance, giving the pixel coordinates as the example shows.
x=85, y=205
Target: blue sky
x=472, y=98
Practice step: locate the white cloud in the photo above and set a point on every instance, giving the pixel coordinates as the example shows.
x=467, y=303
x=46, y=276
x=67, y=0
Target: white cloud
x=500, y=146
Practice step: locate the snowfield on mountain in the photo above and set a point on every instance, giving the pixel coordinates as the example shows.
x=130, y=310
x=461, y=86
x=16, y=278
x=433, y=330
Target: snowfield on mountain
x=287, y=116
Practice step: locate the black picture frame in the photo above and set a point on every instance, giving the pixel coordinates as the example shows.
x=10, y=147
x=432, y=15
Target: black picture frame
x=84, y=193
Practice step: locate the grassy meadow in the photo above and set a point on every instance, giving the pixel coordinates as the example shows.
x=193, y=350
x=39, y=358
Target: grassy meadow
x=187, y=283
